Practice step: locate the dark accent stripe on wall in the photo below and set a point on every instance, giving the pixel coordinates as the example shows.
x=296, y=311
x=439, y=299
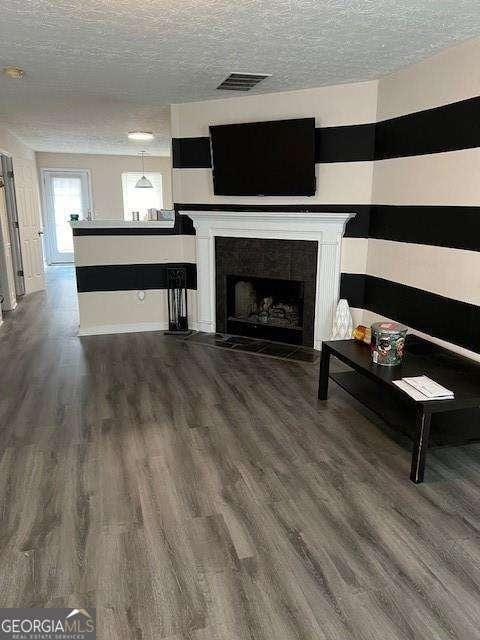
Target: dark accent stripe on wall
x=353, y=143
x=454, y=227
x=128, y=277
x=357, y=227
x=352, y=288
x=191, y=153
x=123, y=231
x=184, y=224
x=450, y=320
x=449, y=127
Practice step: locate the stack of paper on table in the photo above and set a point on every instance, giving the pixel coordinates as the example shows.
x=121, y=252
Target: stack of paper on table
x=424, y=388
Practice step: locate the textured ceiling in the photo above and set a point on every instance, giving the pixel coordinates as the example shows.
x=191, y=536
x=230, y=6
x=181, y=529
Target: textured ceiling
x=98, y=68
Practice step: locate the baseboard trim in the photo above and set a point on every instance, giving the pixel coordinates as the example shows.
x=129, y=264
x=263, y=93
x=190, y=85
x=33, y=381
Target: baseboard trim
x=140, y=327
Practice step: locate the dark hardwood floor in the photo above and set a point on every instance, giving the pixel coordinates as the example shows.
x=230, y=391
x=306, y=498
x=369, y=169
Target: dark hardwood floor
x=197, y=493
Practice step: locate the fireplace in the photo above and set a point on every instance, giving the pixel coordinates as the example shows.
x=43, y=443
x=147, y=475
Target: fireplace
x=265, y=308
x=303, y=246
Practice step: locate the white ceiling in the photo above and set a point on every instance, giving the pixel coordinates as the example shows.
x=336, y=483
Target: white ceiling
x=99, y=68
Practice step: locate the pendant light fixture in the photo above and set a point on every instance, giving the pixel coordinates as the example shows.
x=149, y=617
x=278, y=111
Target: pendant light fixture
x=143, y=183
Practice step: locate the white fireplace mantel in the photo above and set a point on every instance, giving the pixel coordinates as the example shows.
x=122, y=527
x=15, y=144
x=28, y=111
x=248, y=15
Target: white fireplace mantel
x=325, y=228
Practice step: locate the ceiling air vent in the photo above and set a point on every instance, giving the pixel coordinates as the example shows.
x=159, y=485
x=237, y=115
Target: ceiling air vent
x=242, y=81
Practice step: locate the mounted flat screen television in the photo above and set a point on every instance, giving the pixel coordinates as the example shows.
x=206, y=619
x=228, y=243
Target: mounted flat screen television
x=274, y=158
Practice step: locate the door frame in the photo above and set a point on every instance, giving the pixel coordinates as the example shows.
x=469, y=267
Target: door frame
x=50, y=252
x=6, y=168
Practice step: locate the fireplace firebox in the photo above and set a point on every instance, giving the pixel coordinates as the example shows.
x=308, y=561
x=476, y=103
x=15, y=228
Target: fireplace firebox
x=269, y=308
x=265, y=288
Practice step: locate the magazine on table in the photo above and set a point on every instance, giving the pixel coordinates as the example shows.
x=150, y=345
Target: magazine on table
x=424, y=388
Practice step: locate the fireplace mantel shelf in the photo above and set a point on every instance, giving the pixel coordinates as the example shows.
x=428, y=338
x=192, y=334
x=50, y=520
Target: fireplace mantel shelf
x=308, y=219
x=325, y=228
x=274, y=213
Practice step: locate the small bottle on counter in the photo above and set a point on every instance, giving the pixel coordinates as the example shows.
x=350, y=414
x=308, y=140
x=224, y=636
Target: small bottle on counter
x=135, y=216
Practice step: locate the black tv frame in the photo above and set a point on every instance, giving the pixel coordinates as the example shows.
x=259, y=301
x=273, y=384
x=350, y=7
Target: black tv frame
x=261, y=193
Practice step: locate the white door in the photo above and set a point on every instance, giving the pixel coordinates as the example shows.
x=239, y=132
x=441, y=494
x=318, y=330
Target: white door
x=29, y=223
x=66, y=193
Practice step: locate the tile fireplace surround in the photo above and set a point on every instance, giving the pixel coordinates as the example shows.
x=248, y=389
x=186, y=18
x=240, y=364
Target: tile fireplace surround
x=326, y=229
x=285, y=270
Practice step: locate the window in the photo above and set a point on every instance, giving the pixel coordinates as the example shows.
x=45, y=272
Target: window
x=141, y=199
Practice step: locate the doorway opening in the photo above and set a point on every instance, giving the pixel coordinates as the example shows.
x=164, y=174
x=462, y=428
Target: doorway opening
x=65, y=192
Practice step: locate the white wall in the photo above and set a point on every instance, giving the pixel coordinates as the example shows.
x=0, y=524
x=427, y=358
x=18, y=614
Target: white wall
x=11, y=145
x=106, y=175
x=331, y=106
x=133, y=249
x=449, y=76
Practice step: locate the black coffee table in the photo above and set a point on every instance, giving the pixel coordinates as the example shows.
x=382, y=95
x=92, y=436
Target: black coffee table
x=455, y=372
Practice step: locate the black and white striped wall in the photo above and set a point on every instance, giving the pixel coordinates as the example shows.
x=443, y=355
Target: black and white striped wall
x=423, y=265
x=122, y=276
x=404, y=154
x=344, y=165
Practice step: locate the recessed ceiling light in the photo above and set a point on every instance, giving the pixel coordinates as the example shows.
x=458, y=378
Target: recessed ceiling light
x=14, y=72
x=141, y=135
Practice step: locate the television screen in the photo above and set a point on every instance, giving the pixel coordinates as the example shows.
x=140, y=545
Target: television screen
x=274, y=158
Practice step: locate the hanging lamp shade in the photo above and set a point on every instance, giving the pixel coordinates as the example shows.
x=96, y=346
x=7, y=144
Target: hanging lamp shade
x=143, y=183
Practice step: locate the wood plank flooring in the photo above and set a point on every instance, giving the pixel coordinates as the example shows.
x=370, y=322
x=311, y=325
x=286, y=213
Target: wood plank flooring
x=197, y=493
